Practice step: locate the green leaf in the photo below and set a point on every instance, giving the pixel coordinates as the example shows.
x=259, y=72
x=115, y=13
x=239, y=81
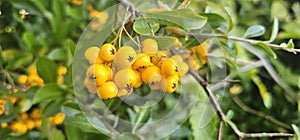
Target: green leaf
x=29, y=40
x=48, y=92
x=214, y=20
x=81, y=122
x=142, y=117
x=297, y=131
x=145, y=26
x=128, y=136
x=47, y=69
x=164, y=42
x=8, y=107
x=265, y=95
x=254, y=31
x=185, y=18
x=19, y=60
x=274, y=30
x=290, y=44
x=2, y=60
x=267, y=48
x=229, y=19
x=55, y=134
x=58, y=54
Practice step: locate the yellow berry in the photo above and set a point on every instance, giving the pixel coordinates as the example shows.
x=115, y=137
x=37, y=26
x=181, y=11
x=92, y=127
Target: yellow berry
x=149, y=72
x=62, y=70
x=24, y=116
x=177, y=58
x=183, y=68
x=107, y=52
x=22, y=79
x=97, y=73
x=154, y=81
x=194, y=65
x=109, y=73
x=37, y=123
x=35, y=80
x=59, y=118
x=36, y=114
x=19, y=127
x=169, y=84
x=91, y=54
x=124, y=91
x=142, y=62
x=4, y=125
x=90, y=85
x=139, y=80
x=32, y=70
x=125, y=78
x=169, y=67
x=149, y=46
x=124, y=58
x=108, y=90
x=30, y=124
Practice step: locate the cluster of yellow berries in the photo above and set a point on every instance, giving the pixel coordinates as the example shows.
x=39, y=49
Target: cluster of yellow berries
x=33, y=79
x=28, y=121
x=115, y=73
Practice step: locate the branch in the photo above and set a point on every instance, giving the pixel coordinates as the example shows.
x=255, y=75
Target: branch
x=250, y=41
x=260, y=114
x=221, y=114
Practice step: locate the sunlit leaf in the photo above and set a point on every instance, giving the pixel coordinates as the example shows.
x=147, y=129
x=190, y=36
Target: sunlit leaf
x=48, y=92
x=47, y=69
x=57, y=54
x=267, y=48
x=274, y=30
x=290, y=44
x=185, y=18
x=265, y=95
x=214, y=20
x=145, y=26
x=254, y=31
x=229, y=19
x=297, y=131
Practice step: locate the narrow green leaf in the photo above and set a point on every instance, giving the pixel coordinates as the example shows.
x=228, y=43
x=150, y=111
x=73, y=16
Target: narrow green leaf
x=142, y=117
x=48, y=92
x=28, y=38
x=265, y=95
x=47, y=69
x=229, y=114
x=297, y=131
x=254, y=31
x=8, y=107
x=58, y=54
x=2, y=60
x=164, y=42
x=145, y=26
x=267, y=48
x=185, y=18
x=290, y=44
x=274, y=30
x=128, y=136
x=214, y=20
x=230, y=22
x=20, y=60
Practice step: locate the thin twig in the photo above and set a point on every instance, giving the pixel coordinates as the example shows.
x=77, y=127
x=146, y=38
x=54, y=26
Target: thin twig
x=260, y=114
x=220, y=131
x=250, y=41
